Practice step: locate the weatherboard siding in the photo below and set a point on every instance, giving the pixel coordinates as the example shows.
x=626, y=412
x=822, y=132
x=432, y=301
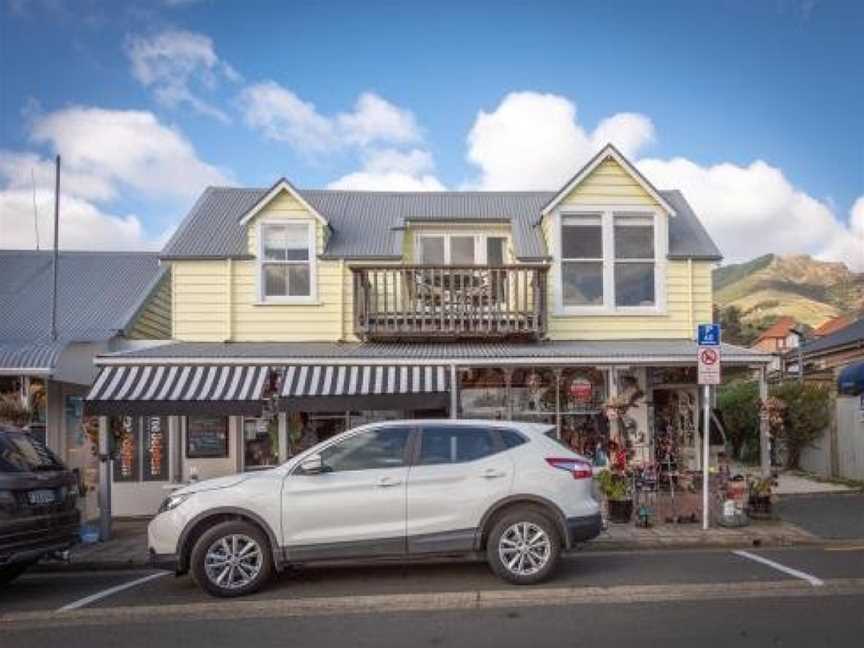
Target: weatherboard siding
x=154, y=320
x=608, y=184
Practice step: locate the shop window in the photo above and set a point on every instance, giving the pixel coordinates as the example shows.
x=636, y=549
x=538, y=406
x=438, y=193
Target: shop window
x=141, y=451
x=370, y=450
x=260, y=442
x=456, y=444
x=287, y=251
x=206, y=437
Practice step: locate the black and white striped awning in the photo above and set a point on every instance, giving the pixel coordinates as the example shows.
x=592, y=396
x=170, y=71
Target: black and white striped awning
x=332, y=388
x=178, y=390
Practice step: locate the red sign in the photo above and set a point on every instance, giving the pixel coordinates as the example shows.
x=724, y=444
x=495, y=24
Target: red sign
x=708, y=359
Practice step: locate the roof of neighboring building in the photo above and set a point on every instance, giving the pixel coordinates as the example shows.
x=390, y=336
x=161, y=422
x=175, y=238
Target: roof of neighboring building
x=779, y=329
x=279, y=352
x=832, y=326
x=26, y=358
x=98, y=294
x=369, y=224
x=852, y=334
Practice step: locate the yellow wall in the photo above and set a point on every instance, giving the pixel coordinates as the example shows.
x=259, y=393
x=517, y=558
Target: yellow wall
x=154, y=320
x=609, y=184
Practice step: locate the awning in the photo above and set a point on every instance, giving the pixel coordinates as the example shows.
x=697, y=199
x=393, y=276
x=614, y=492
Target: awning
x=335, y=388
x=29, y=358
x=177, y=390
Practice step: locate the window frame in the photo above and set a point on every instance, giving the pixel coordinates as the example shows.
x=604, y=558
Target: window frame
x=498, y=444
x=480, y=244
x=408, y=451
x=311, y=298
x=607, y=215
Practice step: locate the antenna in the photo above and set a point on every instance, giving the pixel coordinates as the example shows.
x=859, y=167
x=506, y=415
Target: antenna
x=35, y=209
x=56, y=238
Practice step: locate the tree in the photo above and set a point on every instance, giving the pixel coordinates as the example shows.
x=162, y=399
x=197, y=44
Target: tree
x=807, y=415
x=739, y=404
x=730, y=323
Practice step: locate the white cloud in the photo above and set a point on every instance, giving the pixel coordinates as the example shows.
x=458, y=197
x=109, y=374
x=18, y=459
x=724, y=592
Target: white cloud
x=173, y=62
x=393, y=170
x=534, y=141
x=105, y=154
x=281, y=115
x=751, y=210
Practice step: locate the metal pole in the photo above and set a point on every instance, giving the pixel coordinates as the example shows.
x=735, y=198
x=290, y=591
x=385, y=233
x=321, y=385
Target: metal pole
x=56, y=243
x=764, y=425
x=454, y=392
x=706, y=441
x=104, y=480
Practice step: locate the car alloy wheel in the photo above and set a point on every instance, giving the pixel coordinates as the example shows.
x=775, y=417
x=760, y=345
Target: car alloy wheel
x=524, y=548
x=233, y=561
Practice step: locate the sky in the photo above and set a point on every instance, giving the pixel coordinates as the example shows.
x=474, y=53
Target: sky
x=753, y=109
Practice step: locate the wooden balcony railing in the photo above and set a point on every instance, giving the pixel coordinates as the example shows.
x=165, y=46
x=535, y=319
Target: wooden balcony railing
x=421, y=301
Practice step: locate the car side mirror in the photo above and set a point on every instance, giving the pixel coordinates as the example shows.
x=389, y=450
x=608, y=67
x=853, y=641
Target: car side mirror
x=312, y=465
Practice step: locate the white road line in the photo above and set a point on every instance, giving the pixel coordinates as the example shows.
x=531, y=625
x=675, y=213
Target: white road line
x=815, y=582
x=87, y=600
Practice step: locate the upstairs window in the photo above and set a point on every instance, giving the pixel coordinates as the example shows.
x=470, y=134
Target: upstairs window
x=287, y=251
x=610, y=261
x=461, y=249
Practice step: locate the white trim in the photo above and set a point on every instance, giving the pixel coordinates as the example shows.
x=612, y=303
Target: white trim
x=306, y=300
x=609, y=307
x=279, y=187
x=605, y=153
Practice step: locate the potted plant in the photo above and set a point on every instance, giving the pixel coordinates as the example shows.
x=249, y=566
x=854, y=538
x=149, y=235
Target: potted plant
x=616, y=489
x=760, y=498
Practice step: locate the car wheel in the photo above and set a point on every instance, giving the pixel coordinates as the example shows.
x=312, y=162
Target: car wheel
x=9, y=573
x=523, y=547
x=232, y=559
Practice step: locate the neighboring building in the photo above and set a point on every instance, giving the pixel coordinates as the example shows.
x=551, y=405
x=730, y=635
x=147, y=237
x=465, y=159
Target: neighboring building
x=104, y=302
x=838, y=359
x=831, y=325
x=314, y=310
x=777, y=340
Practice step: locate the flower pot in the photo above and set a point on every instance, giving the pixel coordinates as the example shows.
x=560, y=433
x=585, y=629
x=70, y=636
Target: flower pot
x=620, y=511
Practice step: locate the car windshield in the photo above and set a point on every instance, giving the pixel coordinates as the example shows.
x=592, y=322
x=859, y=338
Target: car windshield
x=20, y=452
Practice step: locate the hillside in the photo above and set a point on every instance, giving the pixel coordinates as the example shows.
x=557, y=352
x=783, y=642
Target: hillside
x=769, y=286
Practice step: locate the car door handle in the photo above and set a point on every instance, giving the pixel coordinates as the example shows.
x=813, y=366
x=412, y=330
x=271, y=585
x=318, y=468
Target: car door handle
x=384, y=482
x=492, y=473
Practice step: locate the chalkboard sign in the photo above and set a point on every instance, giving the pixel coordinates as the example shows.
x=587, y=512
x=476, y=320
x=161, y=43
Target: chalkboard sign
x=206, y=437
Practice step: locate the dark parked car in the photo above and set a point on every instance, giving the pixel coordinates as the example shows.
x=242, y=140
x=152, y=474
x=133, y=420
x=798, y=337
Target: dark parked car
x=38, y=495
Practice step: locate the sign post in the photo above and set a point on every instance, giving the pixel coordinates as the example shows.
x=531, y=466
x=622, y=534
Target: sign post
x=708, y=361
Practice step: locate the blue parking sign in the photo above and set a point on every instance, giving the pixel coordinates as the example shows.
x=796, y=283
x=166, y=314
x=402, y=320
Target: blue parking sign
x=709, y=334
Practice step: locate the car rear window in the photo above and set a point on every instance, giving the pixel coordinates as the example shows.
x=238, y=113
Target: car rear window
x=552, y=433
x=511, y=438
x=23, y=453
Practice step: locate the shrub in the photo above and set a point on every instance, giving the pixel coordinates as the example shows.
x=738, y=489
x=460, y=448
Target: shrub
x=739, y=404
x=807, y=414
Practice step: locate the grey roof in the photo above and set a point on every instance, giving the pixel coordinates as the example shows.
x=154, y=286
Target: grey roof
x=279, y=352
x=368, y=224
x=98, y=293
x=852, y=334
x=24, y=357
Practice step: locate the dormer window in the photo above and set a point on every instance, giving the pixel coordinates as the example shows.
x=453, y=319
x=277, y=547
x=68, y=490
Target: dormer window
x=287, y=251
x=611, y=261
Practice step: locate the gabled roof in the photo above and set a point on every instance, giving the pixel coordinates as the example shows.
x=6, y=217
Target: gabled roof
x=281, y=185
x=779, y=329
x=608, y=151
x=369, y=224
x=832, y=326
x=850, y=335
x=98, y=294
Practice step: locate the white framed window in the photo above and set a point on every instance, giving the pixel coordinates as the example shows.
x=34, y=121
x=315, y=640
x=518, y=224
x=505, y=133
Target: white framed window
x=611, y=261
x=461, y=248
x=286, y=261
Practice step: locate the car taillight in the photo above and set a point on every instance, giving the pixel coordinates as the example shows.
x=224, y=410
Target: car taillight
x=579, y=469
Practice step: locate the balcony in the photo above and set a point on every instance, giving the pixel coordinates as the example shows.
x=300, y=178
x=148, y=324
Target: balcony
x=449, y=302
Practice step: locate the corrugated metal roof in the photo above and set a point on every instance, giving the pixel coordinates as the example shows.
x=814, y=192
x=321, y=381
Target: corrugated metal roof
x=368, y=224
x=28, y=357
x=279, y=352
x=97, y=293
x=852, y=334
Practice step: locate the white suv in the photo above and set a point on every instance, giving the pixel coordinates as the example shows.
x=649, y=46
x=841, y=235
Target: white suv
x=506, y=490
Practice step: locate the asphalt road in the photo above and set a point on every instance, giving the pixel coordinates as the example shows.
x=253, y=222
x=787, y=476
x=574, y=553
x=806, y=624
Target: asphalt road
x=834, y=516
x=807, y=597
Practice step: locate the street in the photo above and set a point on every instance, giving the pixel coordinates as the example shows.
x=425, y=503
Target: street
x=797, y=596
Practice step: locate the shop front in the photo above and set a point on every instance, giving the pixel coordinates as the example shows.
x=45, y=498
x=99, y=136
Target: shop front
x=635, y=409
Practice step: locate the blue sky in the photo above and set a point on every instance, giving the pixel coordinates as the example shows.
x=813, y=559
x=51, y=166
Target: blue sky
x=752, y=108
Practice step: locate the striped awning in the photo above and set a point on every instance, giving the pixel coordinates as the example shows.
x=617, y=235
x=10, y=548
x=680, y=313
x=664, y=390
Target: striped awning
x=329, y=388
x=178, y=390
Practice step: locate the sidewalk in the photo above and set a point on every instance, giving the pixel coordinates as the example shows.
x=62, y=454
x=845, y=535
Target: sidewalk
x=127, y=549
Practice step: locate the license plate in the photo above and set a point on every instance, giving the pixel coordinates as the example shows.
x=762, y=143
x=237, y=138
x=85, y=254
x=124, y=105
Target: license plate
x=41, y=496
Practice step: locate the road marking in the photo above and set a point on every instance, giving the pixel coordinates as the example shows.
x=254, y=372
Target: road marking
x=87, y=600
x=851, y=548
x=810, y=578
x=426, y=602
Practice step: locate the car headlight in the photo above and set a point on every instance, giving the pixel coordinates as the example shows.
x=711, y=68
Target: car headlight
x=173, y=501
